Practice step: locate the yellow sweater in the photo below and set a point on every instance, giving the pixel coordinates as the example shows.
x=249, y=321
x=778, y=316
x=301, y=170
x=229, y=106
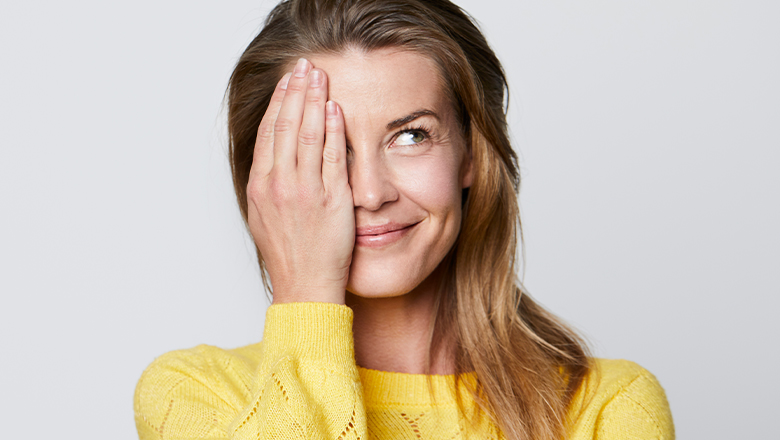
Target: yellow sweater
x=302, y=382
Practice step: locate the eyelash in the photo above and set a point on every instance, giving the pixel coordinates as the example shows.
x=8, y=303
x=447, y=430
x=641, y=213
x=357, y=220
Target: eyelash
x=426, y=132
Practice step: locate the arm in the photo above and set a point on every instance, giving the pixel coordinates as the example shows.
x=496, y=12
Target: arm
x=301, y=216
x=312, y=388
x=306, y=385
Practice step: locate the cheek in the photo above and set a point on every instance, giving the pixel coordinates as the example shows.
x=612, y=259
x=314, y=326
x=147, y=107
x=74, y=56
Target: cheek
x=429, y=187
x=430, y=182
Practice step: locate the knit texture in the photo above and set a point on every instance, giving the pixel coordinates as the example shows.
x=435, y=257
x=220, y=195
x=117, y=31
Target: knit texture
x=302, y=382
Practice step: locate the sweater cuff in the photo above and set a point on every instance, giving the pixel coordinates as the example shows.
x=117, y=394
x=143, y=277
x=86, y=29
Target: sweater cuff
x=312, y=331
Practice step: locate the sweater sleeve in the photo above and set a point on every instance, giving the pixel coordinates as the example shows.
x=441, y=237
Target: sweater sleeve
x=305, y=385
x=639, y=411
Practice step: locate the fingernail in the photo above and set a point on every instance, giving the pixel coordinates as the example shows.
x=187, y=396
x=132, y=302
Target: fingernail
x=315, y=78
x=331, y=109
x=283, y=82
x=302, y=68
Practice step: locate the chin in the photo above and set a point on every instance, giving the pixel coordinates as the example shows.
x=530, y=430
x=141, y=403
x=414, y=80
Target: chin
x=394, y=273
x=385, y=277
x=382, y=279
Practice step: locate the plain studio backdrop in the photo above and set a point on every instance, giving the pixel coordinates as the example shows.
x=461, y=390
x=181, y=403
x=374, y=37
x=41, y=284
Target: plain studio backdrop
x=649, y=146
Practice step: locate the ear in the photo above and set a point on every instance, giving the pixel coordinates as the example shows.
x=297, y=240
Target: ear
x=467, y=169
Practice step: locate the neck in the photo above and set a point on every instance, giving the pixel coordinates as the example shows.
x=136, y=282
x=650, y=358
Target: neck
x=394, y=333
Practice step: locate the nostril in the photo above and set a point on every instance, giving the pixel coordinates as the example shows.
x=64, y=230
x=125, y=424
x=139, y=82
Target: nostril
x=371, y=181
x=372, y=194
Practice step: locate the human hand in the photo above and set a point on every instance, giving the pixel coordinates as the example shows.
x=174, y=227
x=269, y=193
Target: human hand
x=301, y=212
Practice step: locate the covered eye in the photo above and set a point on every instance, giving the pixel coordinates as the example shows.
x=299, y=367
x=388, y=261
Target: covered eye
x=410, y=137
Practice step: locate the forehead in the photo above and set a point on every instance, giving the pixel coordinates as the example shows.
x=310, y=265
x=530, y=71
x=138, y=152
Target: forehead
x=379, y=86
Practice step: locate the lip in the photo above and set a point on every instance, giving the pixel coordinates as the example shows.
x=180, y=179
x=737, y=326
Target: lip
x=382, y=235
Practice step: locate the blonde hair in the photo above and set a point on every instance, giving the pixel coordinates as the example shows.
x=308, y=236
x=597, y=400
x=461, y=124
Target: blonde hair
x=528, y=364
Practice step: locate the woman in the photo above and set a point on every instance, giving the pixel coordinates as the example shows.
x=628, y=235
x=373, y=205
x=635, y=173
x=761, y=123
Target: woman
x=371, y=162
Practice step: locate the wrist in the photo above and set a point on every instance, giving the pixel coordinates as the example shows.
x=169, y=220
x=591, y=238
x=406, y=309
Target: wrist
x=321, y=294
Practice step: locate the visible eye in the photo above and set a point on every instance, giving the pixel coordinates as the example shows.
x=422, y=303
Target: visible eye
x=410, y=137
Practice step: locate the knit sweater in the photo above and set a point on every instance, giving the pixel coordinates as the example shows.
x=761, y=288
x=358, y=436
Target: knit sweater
x=302, y=382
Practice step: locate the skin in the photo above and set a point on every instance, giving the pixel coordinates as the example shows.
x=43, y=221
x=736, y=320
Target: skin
x=358, y=202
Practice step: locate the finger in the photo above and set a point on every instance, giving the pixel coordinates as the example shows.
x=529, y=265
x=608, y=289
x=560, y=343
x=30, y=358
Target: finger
x=311, y=136
x=288, y=123
x=263, y=157
x=334, y=153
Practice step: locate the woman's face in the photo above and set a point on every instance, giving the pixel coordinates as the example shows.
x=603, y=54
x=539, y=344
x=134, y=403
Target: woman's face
x=407, y=163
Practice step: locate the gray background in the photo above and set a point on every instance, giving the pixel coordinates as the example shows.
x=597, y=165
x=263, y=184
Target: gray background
x=648, y=137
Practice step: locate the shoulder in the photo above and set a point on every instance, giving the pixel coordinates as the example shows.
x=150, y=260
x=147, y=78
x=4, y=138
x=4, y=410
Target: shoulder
x=204, y=360
x=620, y=399
x=203, y=380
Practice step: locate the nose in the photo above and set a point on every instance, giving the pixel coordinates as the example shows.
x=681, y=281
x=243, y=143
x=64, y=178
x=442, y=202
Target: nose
x=371, y=182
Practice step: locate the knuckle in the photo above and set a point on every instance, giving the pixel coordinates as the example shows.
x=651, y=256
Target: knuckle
x=279, y=192
x=278, y=97
x=265, y=131
x=308, y=137
x=283, y=125
x=315, y=99
x=333, y=127
x=296, y=86
x=331, y=155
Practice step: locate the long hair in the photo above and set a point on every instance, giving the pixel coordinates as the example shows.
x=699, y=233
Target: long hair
x=528, y=364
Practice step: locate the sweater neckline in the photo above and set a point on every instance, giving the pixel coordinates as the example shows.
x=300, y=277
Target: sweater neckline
x=387, y=388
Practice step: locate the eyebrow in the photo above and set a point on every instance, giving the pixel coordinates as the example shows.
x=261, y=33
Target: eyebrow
x=411, y=117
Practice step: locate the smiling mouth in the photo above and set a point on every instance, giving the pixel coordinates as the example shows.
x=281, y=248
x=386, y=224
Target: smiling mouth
x=382, y=235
